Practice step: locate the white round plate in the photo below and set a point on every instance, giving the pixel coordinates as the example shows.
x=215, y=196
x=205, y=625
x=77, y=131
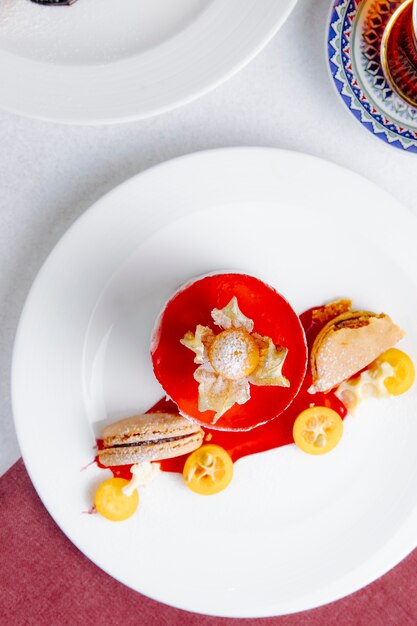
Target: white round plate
x=101, y=61
x=292, y=531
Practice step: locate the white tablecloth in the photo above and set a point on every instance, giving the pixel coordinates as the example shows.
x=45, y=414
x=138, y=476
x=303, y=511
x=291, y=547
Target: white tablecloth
x=49, y=173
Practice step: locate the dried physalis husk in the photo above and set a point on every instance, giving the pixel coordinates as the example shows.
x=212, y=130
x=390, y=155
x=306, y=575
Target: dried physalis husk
x=232, y=359
x=198, y=342
x=271, y=361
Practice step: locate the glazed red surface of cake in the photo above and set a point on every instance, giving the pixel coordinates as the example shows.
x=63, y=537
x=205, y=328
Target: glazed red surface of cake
x=273, y=316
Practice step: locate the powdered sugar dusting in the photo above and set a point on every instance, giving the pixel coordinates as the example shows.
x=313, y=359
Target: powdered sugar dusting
x=230, y=357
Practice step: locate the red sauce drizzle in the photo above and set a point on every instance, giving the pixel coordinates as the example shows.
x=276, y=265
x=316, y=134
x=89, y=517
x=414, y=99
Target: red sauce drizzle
x=275, y=433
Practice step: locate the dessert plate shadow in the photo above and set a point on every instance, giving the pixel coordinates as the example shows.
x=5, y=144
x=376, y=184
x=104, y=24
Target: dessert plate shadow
x=292, y=531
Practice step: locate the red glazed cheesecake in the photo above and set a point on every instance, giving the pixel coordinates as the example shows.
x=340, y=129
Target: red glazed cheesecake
x=229, y=351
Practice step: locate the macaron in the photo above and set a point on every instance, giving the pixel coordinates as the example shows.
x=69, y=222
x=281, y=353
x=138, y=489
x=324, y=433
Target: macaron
x=348, y=343
x=149, y=437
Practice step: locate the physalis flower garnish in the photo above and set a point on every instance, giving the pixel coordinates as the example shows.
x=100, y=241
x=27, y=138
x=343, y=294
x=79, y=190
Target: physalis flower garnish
x=232, y=360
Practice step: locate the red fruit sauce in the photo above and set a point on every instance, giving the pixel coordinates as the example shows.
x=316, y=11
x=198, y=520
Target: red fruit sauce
x=277, y=432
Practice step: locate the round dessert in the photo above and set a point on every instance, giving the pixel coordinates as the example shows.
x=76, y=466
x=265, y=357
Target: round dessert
x=229, y=351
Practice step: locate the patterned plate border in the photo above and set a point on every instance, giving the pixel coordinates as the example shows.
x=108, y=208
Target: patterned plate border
x=344, y=17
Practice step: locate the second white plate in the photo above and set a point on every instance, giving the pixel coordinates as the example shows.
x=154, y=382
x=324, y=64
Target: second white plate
x=292, y=531
x=102, y=61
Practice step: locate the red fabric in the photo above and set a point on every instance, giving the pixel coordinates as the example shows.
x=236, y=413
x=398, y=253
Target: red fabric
x=45, y=580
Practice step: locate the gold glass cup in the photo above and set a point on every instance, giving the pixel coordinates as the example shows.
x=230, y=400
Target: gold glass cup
x=399, y=52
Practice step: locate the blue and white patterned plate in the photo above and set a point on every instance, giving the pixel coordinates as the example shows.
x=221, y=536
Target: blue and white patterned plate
x=354, y=43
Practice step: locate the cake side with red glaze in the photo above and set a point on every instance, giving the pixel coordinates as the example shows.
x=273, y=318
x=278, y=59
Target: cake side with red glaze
x=272, y=316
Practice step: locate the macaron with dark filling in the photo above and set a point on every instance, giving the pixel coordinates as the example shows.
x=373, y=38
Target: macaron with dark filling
x=149, y=437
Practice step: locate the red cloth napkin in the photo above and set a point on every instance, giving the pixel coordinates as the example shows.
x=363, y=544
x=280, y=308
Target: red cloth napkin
x=45, y=580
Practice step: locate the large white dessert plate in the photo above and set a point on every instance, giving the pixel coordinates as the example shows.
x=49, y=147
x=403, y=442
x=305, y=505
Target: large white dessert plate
x=292, y=531
x=101, y=61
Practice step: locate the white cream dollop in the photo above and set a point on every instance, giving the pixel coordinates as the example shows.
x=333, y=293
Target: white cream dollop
x=142, y=475
x=370, y=384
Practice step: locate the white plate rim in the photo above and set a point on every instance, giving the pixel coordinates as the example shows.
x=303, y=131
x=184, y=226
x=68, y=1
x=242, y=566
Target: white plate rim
x=402, y=543
x=21, y=97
